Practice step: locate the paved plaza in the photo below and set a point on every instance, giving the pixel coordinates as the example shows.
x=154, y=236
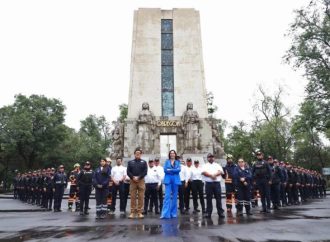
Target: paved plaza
x=23, y=222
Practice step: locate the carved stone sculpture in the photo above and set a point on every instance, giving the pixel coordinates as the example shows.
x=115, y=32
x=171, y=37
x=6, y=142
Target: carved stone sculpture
x=216, y=142
x=190, y=127
x=117, y=144
x=146, y=129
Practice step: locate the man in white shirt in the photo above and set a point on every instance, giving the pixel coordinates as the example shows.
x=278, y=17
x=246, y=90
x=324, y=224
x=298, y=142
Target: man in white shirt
x=153, y=182
x=161, y=172
x=212, y=176
x=187, y=187
x=182, y=187
x=197, y=187
x=118, y=174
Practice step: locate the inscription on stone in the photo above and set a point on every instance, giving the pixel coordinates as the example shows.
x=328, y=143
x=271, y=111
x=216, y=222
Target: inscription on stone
x=168, y=123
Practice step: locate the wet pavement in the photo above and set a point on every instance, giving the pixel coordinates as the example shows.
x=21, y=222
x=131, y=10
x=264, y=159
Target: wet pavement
x=308, y=222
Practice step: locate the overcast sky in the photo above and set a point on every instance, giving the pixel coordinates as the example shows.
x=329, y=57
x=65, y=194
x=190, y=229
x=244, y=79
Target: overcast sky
x=79, y=52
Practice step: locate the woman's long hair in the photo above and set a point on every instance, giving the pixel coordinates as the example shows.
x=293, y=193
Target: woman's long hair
x=169, y=154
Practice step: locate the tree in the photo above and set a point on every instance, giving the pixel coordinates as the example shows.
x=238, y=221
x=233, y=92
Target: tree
x=30, y=128
x=123, y=111
x=95, y=136
x=271, y=128
x=310, y=51
x=309, y=148
x=239, y=142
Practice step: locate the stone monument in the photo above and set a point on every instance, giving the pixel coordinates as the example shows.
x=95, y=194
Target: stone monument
x=167, y=81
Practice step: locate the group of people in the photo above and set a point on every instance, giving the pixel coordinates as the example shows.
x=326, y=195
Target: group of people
x=276, y=183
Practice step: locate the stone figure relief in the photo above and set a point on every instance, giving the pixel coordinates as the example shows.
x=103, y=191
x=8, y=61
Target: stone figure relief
x=146, y=128
x=216, y=142
x=117, y=144
x=190, y=127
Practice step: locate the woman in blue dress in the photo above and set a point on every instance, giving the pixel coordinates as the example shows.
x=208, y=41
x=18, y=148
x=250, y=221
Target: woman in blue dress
x=172, y=181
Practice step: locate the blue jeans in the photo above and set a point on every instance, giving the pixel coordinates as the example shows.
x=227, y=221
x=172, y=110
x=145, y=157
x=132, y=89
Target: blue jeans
x=170, y=205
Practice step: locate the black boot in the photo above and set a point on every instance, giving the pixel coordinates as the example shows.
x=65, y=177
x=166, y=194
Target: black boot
x=248, y=209
x=239, y=210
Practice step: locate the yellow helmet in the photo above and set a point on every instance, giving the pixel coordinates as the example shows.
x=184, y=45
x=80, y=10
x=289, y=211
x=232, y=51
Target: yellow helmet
x=229, y=156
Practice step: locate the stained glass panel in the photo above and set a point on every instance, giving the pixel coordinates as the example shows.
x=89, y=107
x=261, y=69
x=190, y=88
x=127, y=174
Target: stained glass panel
x=167, y=67
x=167, y=26
x=167, y=104
x=167, y=41
x=167, y=78
x=167, y=57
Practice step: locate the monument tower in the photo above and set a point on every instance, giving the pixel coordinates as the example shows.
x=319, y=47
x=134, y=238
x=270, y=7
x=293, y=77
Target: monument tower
x=167, y=107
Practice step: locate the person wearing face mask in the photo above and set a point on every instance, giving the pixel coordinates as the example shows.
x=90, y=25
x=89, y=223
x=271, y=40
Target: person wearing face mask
x=101, y=180
x=262, y=175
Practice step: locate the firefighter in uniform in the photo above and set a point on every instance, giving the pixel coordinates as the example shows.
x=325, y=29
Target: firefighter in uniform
x=228, y=176
x=74, y=192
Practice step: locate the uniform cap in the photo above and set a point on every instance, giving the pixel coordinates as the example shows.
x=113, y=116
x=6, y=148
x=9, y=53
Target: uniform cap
x=76, y=165
x=188, y=159
x=87, y=163
x=61, y=166
x=196, y=161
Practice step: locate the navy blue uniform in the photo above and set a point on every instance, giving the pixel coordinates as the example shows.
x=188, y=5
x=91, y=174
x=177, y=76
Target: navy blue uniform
x=276, y=185
x=60, y=181
x=85, y=182
x=243, y=188
x=101, y=180
x=262, y=174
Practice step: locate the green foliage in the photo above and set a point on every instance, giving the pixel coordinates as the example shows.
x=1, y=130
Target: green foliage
x=95, y=137
x=270, y=131
x=271, y=128
x=31, y=127
x=211, y=107
x=123, y=111
x=309, y=148
x=310, y=51
x=239, y=143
